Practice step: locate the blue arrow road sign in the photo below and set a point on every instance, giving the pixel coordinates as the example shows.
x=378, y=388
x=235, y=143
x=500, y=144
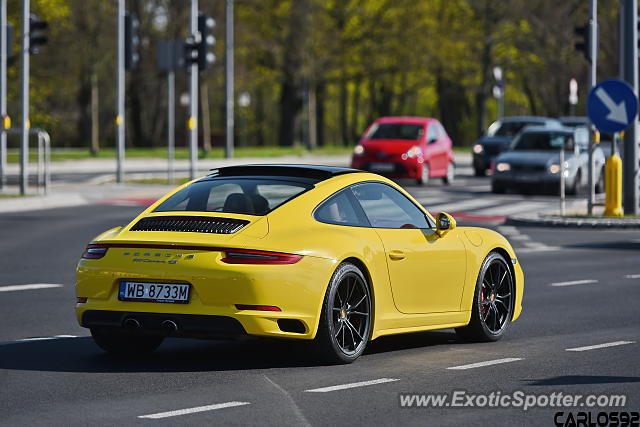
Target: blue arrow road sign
x=612, y=106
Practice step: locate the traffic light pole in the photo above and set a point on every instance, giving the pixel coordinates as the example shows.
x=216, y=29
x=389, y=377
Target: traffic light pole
x=3, y=91
x=171, y=123
x=229, y=69
x=120, y=77
x=629, y=20
x=24, y=145
x=593, y=54
x=192, y=123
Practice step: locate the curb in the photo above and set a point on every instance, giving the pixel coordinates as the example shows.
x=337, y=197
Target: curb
x=573, y=222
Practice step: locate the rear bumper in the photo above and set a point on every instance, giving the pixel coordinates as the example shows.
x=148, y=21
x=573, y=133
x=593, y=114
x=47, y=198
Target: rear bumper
x=297, y=289
x=409, y=168
x=187, y=325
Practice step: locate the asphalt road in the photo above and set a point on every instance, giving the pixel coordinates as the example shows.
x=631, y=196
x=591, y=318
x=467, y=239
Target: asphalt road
x=582, y=289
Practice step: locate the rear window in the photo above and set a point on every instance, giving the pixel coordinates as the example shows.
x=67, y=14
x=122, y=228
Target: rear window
x=250, y=196
x=396, y=131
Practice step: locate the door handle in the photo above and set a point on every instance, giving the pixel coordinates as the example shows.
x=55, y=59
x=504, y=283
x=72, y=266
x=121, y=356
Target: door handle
x=396, y=255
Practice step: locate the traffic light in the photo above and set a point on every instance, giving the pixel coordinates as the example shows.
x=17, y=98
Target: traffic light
x=583, y=42
x=131, y=41
x=37, y=36
x=205, y=57
x=196, y=49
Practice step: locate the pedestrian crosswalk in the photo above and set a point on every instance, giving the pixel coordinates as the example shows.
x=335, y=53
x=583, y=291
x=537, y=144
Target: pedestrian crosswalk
x=477, y=201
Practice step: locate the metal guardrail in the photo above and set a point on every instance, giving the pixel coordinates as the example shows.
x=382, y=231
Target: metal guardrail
x=43, y=176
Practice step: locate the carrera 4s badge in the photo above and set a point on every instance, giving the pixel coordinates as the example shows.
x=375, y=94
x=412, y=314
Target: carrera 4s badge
x=159, y=258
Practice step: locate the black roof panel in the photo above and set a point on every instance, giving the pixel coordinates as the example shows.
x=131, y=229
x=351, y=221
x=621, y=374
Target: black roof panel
x=318, y=172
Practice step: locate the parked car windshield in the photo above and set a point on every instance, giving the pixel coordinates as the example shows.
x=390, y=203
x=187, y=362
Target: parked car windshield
x=250, y=196
x=539, y=141
x=396, y=131
x=508, y=129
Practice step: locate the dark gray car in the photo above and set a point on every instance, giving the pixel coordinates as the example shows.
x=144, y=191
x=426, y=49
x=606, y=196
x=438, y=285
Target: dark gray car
x=498, y=137
x=533, y=161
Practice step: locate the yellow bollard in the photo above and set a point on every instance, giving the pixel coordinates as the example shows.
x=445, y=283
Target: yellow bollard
x=613, y=186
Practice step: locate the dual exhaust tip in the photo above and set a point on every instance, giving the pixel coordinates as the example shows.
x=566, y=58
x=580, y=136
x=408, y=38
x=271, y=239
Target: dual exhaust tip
x=167, y=325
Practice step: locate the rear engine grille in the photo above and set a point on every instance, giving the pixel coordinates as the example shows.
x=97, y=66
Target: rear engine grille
x=194, y=224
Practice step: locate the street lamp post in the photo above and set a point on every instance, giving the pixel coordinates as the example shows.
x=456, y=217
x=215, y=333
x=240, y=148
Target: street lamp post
x=24, y=145
x=3, y=91
x=120, y=76
x=192, y=123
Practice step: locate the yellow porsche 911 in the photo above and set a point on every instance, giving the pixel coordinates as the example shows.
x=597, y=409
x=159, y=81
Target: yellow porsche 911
x=334, y=255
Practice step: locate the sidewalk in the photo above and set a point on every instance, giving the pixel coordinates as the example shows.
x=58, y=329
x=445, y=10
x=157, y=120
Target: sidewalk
x=102, y=189
x=153, y=164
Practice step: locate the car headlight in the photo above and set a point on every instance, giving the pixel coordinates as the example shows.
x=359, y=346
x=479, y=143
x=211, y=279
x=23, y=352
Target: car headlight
x=414, y=151
x=358, y=150
x=555, y=168
x=503, y=167
x=478, y=148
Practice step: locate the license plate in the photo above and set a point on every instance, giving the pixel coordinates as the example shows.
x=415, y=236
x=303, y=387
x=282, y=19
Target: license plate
x=154, y=292
x=382, y=167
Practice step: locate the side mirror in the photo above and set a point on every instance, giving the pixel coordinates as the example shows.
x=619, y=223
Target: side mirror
x=444, y=223
x=432, y=140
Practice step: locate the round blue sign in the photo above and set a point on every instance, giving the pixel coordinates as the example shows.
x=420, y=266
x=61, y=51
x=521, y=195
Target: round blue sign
x=612, y=106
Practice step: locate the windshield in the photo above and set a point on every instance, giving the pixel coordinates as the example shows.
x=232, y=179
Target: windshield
x=509, y=129
x=250, y=196
x=539, y=142
x=396, y=131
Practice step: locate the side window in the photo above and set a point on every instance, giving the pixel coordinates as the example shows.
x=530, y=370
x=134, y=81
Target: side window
x=441, y=131
x=386, y=207
x=432, y=132
x=340, y=210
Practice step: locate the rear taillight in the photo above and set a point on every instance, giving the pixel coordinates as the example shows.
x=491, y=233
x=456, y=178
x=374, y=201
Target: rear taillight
x=245, y=256
x=95, y=251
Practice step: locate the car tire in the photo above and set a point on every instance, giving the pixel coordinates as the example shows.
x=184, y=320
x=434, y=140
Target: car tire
x=124, y=344
x=346, y=317
x=425, y=174
x=497, y=188
x=576, y=188
x=451, y=174
x=600, y=186
x=493, y=298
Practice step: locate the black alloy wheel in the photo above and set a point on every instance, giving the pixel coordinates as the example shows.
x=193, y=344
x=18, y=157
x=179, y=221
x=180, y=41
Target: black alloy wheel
x=493, y=301
x=345, y=324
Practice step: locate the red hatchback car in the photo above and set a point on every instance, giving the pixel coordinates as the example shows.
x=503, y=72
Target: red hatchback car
x=406, y=147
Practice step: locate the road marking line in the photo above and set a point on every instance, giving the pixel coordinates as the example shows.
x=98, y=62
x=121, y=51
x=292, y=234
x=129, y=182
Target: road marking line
x=632, y=276
x=574, y=282
x=533, y=249
x=29, y=287
x=520, y=237
x=508, y=230
x=351, y=385
x=597, y=346
x=487, y=363
x=506, y=208
x=193, y=410
x=55, y=337
x=461, y=205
